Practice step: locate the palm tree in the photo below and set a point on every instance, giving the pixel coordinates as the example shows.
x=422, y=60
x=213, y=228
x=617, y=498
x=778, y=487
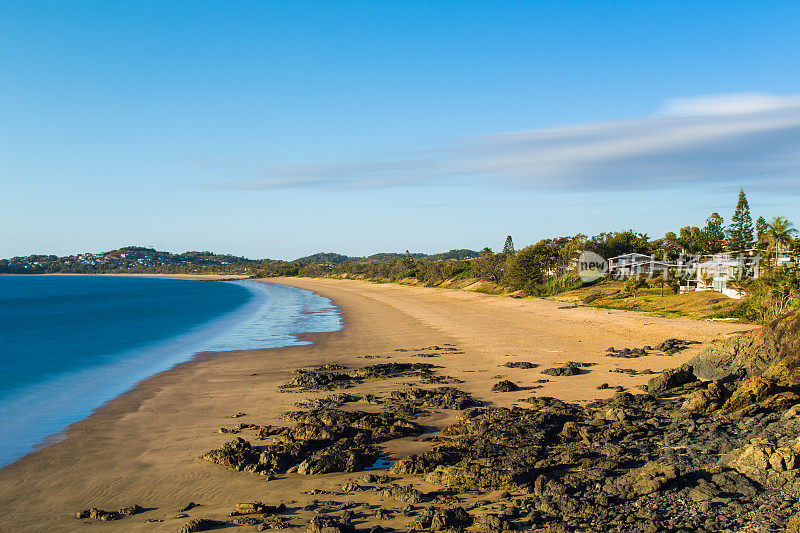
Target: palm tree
x=779, y=235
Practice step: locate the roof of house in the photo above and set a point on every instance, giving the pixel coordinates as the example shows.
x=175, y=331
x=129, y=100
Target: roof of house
x=630, y=255
x=642, y=263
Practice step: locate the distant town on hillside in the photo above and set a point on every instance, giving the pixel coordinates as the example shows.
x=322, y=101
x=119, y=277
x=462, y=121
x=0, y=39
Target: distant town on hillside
x=139, y=259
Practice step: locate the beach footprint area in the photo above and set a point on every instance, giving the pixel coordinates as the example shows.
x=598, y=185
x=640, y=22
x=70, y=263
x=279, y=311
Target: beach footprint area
x=431, y=410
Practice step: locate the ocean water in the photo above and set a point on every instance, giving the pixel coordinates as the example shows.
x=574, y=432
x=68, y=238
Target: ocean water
x=68, y=344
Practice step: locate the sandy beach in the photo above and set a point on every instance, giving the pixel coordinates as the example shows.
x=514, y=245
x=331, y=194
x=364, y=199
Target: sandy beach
x=144, y=446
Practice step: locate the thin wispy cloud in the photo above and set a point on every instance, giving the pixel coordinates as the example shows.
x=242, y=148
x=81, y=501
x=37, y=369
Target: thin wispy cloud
x=749, y=138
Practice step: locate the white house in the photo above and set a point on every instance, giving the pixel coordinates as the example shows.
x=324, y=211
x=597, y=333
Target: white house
x=627, y=265
x=785, y=258
x=717, y=272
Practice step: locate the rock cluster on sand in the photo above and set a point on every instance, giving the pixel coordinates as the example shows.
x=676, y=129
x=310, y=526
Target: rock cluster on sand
x=200, y=524
x=505, y=386
x=689, y=455
x=322, y=441
x=328, y=402
x=438, y=398
x=450, y=519
x=520, y=364
x=570, y=368
x=107, y=516
x=257, y=508
x=330, y=377
x=667, y=381
x=329, y=524
x=668, y=347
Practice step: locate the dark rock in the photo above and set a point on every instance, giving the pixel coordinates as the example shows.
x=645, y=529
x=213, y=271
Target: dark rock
x=570, y=368
x=520, y=364
x=646, y=480
x=405, y=494
x=627, y=353
x=328, y=402
x=393, y=370
x=753, y=353
x=308, y=380
x=330, y=377
x=131, y=510
x=98, y=514
x=438, y=398
x=669, y=347
x=706, y=400
x=200, y=524
x=247, y=521
x=237, y=454
x=189, y=506
x=433, y=519
x=493, y=523
x=505, y=386
x=327, y=440
x=345, y=455
x=670, y=379
x=329, y=524
x=754, y=390
x=257, y=508
x=673, y=346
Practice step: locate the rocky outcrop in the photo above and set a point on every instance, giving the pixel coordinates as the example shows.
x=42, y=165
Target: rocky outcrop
x=751, y=392
x=331, y=401
x=316, y=380
x=647, y=479
x=237, y=454
x=438, y=398
x=669, y=379
x=450, y=519
x=688, y=455
x=329, y=524
x=706, y=400
x=488, y=449
x=331, y=377
x=405, y=494
x=766, y=463
x=328, y=440
x=494, y=523
x=753, y=353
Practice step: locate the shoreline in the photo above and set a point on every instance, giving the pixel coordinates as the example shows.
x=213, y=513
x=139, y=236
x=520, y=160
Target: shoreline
x=158, y=429
x=104, y=381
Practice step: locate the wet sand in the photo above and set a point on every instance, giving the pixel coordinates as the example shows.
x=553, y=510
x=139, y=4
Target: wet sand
x=143, y=446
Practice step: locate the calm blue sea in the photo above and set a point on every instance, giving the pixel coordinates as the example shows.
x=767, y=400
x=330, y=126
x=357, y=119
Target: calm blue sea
x=68, y=344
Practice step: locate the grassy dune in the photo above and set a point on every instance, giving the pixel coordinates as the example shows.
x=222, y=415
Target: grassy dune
x=654, y=300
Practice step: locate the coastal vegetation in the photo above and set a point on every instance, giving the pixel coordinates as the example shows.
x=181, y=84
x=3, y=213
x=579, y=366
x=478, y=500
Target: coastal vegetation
x=547, y=268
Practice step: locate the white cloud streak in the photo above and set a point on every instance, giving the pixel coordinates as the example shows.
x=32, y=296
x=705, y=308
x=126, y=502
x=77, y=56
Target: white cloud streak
x=744, y=139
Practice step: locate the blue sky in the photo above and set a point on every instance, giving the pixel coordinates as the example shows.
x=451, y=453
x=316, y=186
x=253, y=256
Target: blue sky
x=278, y=129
